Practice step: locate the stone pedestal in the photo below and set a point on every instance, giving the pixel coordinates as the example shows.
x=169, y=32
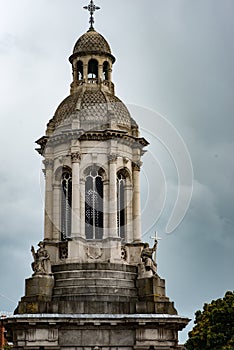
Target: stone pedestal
x=38, y=292
x=152, y=298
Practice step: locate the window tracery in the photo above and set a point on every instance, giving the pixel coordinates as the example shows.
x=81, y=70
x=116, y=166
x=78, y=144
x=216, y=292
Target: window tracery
x=121, y=182
x=94, y=205
x=66, y=203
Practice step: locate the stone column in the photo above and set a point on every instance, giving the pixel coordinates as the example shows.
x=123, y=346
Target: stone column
x=85, y=72
x=74, y=72
x=48, y=219
x=105, y=208
x=100, y=72
x=128, y=208
x=82, y=208
x=57, y=211
x=113, y=232
x=75, y=158
x=136, y=202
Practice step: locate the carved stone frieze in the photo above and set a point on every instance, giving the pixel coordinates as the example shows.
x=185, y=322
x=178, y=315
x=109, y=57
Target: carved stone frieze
x=123, y=253
x=63, y=250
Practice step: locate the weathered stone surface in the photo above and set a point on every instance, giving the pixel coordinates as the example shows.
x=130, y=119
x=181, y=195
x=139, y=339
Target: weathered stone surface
x=89, y=331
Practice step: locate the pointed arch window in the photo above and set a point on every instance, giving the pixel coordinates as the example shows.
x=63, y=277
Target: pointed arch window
x=66, y=203
x=121, y=182
x=93, y=69
x=94, y=205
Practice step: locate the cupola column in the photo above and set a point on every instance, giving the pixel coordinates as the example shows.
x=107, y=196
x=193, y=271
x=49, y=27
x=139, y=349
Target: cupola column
x=48, y=224
x=136, y=202
x=75, y=158
x=112, y=196
x=75, y=74
x=85, y=72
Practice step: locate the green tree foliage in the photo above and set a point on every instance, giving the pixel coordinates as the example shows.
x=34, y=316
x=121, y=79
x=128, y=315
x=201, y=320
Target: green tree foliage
x=214, y=326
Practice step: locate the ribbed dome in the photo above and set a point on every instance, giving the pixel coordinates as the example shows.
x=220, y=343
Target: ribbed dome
x=92, y=108
x=91, y=42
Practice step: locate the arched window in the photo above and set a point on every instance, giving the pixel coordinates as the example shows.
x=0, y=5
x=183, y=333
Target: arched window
x=94, y=205
x=106, y=68
x=121, y=181
x=66, y=203
x=93, y=69
x=80, y=71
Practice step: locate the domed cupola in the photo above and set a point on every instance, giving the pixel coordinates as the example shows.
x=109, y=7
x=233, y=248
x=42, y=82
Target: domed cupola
x=92, y=104
x=93, y=43
x=92, y=63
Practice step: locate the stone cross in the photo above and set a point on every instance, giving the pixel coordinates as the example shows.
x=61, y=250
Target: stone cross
x=91, y=8
x=155, y=238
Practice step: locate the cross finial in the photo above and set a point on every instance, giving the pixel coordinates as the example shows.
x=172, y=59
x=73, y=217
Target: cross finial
x=91, y=8
x=156, y=238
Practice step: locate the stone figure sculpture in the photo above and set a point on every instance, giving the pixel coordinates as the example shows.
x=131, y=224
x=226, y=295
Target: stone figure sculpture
x=41, y=264
x=147, y=257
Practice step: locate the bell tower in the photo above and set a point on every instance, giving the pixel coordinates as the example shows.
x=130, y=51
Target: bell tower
x=92, y=158
x=94, y=283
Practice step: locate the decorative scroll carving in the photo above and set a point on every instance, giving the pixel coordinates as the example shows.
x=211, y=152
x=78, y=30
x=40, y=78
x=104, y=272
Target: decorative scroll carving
x=75, y=157
x=137, y=165
x=112, y=157
x=48, y=163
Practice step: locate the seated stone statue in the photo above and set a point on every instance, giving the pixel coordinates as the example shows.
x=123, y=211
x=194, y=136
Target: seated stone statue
x=147, y=257
x=41, y=264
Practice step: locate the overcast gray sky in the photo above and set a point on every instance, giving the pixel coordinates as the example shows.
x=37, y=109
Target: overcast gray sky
x=175, y=58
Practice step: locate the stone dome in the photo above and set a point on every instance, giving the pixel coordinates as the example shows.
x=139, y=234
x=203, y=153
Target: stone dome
x=93, y=108
x=92, y=42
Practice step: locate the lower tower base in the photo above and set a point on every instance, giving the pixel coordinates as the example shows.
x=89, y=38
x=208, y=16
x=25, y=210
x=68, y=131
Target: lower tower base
x=96, y=332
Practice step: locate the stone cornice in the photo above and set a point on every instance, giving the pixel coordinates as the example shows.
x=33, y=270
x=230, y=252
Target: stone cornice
x=99, y=135
x=154, y=320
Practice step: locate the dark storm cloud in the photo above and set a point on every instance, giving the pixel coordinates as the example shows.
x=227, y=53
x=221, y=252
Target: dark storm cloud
x=173, y=56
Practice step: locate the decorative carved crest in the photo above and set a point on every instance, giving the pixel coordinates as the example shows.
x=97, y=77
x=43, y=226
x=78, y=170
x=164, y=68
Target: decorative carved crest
x=94, y=251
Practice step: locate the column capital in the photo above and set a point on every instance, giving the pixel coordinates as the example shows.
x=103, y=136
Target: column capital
x=75, y=157
x=48, y=163
x=137, y=166
x=112, y=157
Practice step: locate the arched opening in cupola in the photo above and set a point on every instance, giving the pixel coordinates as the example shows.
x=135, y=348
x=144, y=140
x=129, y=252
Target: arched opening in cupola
x=106, y=68
x=93, y=69
x=80, y=70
